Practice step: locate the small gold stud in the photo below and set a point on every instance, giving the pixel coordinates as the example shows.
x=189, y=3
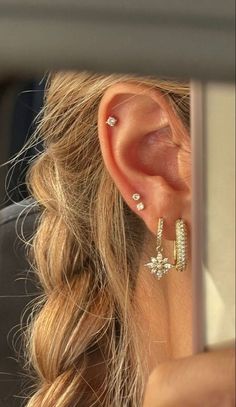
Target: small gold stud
x=136, y=197
x=111, y=121
x=140, y=206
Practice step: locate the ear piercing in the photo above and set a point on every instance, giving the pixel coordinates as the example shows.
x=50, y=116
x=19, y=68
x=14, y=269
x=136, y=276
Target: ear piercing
x=160, y=265
x=180, y=245
x=136, y=197
x=140, y=205
x=111, y=121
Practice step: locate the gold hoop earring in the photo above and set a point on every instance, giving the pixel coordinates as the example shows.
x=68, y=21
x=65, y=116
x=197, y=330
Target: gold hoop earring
x=160, y=265
x=180, y=245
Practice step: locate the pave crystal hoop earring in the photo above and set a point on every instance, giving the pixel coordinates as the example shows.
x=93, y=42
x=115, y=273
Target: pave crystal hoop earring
x=161, y=265
x=180, y=245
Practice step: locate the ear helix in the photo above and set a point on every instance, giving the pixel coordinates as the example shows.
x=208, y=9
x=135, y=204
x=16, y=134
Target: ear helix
x=112, y=121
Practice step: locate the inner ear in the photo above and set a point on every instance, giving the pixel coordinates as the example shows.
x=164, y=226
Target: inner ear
x=139, y=109
x=151, y=145
x=156, y=153
x=145, y=137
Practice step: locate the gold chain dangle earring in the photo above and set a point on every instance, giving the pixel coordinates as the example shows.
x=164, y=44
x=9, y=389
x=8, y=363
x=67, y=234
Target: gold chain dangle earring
x=161, y=265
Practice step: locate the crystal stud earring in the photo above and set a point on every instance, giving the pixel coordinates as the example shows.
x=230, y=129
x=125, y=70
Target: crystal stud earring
x=140, y=205
x=111, y=121
x=136, y=196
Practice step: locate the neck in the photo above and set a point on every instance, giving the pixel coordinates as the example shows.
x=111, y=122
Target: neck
x=164, y=314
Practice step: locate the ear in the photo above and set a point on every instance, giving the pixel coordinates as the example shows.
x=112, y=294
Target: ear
x=147, y=152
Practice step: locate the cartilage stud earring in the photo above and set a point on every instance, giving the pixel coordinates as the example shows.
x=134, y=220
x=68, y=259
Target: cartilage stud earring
x=111, y=121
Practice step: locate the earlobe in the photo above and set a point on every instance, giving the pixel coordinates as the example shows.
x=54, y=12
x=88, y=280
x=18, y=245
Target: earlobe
x=143, y=154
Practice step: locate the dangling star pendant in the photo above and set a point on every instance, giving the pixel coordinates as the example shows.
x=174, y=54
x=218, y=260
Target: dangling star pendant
x=159, y=265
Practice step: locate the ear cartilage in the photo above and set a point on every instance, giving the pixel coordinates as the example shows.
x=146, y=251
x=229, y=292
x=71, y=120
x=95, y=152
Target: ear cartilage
x=140, y=206
x=111, y=121
x=136, y=196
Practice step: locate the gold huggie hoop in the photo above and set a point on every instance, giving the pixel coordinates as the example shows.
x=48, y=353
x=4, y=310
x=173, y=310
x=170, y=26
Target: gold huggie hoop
x=161, y=265
x=180, y=245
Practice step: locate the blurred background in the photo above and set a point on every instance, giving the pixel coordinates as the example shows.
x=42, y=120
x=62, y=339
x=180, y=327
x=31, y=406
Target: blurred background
x=20, y=103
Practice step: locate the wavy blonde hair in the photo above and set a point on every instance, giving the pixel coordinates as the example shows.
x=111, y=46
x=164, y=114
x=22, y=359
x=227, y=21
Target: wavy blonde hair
x=83, y=342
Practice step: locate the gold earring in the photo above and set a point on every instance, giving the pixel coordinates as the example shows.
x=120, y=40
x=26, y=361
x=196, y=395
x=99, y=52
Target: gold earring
x=136, y=197
x=111, y=121
x=160, y=265
x=180, y=245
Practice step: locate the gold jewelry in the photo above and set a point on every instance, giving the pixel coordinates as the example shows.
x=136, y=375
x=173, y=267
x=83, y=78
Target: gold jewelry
x=140, y=206
x=111, y=121
x=136, y=197
x=161, y=265
x=180, y=245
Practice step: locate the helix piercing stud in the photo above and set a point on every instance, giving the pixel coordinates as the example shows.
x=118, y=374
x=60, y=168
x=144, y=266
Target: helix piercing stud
x=111, y=121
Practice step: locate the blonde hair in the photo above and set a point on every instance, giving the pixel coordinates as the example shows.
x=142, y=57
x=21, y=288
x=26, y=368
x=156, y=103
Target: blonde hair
x=83, y=342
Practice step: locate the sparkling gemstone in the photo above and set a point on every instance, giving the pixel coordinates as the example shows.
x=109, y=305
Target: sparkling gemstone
x=140, y=206
x=159, y=265
x=111, y=121
x=136, y=197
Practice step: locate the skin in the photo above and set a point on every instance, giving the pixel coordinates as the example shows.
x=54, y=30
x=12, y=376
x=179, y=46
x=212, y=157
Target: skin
x=176, y=377
x=157, y=164
x=206, y=379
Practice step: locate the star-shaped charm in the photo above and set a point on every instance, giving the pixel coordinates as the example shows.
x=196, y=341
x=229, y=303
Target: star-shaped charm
x=159, y=265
